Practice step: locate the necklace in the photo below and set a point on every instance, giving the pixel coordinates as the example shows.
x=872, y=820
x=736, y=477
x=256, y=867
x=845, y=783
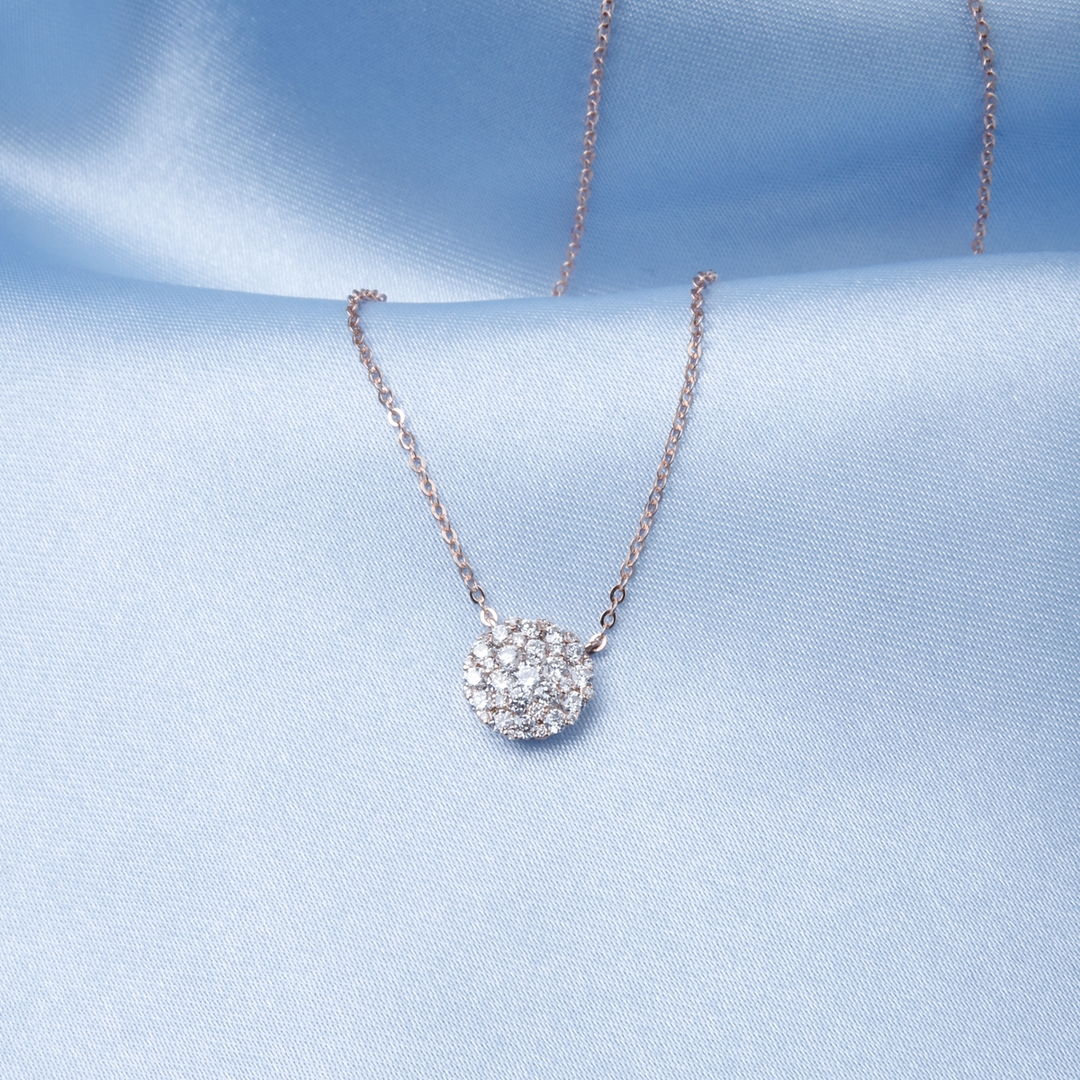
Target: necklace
x=529, y=678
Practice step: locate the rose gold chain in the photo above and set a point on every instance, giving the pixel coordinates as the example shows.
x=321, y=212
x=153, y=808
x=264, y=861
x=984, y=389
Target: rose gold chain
x=592, y=117
x=588, y=153
x=990, y=101
x=652, y=505
x=407, y=441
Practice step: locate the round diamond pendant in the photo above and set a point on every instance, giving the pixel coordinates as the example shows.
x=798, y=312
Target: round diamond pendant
x=528, y=678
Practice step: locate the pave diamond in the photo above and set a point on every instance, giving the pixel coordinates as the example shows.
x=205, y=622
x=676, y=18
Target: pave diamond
x=528, y=678
x=500, y=678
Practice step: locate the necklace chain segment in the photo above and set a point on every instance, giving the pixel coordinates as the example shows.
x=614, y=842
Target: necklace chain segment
x=528, y=678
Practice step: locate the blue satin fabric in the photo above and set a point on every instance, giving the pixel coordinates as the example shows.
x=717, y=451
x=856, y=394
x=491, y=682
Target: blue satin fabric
x=432, y=148
x=821, y=819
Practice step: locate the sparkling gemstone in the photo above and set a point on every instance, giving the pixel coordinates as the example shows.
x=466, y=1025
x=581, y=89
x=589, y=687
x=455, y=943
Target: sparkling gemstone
x=539, y=713
x=501, y=679
x=546, y=691
x=528, y=678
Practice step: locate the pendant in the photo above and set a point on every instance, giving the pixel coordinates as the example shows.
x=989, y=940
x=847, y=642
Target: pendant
x=528, y=678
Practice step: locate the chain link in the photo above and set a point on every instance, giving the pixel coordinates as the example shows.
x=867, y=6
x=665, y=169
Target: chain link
x=407, y=441
x=588, y=153
x=990, y=101
x=652, y=505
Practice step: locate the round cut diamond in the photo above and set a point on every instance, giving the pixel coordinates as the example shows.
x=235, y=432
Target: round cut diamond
x=500, y=678
x=528, y=678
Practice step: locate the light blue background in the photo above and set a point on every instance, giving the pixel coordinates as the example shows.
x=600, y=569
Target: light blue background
x=822, y=818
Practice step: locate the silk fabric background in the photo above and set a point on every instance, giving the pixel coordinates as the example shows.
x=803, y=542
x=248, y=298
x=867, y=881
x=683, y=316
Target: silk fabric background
x=821, y=819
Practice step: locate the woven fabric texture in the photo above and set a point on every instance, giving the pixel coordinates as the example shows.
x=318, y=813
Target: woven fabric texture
x=821, y=819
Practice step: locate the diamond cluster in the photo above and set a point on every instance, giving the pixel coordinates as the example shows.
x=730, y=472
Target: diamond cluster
x=528, y=678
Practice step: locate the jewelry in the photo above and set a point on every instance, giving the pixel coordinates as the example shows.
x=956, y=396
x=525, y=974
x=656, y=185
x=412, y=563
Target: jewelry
x=588, y=152
x=989, y=138
x=528, y=678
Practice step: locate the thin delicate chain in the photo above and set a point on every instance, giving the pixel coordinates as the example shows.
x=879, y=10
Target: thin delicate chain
x=592, y=117
x=588, y=153
x=652, y=505
x=990, y=101
x=407, y=441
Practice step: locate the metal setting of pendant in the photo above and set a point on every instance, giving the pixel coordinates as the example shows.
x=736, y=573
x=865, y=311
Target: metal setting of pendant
x=528, y=678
